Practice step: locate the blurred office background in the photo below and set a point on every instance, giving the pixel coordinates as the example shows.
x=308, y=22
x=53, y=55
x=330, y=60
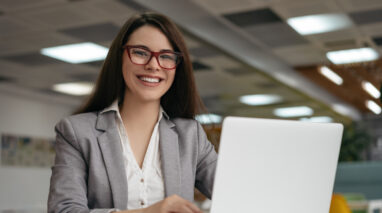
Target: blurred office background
x=254, y=58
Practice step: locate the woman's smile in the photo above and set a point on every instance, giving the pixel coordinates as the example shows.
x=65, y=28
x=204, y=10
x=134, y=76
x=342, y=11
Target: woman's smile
x=149, y=80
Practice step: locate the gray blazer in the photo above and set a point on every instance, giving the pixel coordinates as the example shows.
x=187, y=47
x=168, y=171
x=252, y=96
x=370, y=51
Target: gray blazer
x=89, y=171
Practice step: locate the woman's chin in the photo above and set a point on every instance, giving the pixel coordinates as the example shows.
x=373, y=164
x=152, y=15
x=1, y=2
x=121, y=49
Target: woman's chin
x=149, y=97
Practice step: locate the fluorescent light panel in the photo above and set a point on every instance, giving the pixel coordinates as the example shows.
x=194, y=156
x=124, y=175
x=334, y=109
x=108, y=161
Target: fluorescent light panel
x=78, y=89
x=260, y=99
x=321, y=23
x=342, y=109
x=370, y=88
x=297, y=111
x=374, y=107
x=208, y=118
x=76, y=53
x=318, y=119
x=352, y=55
x=332, y=76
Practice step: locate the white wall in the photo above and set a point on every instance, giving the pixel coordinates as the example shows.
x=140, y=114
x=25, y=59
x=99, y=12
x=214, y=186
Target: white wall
x=28, y=114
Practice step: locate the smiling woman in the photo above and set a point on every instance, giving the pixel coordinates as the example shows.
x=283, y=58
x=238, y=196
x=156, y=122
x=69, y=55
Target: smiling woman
x=135, y=145
x=146, y=79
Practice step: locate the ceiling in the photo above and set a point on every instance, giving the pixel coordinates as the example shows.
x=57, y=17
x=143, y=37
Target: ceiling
x=238, y=47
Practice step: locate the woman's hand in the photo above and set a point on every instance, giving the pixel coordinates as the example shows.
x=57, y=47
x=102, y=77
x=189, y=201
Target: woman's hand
x=173, y=204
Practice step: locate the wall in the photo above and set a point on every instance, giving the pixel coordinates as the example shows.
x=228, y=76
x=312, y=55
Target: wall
x=360, y=177
x=28, y=114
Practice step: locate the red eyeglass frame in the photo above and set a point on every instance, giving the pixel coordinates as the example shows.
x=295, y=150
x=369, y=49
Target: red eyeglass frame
x=155, y=54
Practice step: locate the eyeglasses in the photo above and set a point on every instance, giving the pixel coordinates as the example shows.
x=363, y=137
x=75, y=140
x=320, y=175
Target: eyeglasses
x=141, y=56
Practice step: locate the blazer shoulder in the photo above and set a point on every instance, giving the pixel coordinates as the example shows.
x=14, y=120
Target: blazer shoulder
x=77, y=122
x=185, y=123
x=188, y=127
x=88, y=117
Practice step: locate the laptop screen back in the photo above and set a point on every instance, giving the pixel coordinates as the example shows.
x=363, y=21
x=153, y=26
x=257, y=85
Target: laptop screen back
x=267, y=165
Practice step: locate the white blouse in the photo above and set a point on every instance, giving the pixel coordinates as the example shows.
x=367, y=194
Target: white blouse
x=146, y=185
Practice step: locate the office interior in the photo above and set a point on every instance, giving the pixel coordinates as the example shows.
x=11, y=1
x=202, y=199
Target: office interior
x=251, y=58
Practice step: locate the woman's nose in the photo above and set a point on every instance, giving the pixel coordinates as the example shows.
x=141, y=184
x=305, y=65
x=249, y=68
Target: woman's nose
x=153, y=64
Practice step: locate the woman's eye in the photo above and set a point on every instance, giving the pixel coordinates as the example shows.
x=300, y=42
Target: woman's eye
x=140, y=52
x=168, y=56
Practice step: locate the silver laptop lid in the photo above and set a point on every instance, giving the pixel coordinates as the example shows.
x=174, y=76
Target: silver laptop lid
x=267, y=165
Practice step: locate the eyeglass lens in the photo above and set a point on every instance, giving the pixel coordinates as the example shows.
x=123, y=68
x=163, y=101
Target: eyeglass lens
x=142, y=56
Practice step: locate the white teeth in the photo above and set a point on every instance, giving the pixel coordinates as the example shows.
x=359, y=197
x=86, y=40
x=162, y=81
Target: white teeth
x=151, y=80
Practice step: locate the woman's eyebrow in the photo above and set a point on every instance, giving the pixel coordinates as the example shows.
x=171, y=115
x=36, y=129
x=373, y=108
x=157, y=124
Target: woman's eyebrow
x=147, y=48
x=166, y=50
x=141, y=46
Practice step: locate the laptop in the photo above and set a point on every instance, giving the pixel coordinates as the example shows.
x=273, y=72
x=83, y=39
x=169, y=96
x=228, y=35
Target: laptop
x=277, y=166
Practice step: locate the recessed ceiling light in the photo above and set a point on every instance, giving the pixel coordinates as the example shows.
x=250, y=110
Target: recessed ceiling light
x=208, y=118
x=370, y=88
x=260, y=99
x=329, y=74
x=76, y=53
x=79, y=88
x=374, y=107
x=342, y=109
x=352, y=55
x=321, y=23
x=297, y=111
x=318, y=119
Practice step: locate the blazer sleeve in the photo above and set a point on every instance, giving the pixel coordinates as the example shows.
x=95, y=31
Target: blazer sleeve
x=68, y=183
x=206, y=164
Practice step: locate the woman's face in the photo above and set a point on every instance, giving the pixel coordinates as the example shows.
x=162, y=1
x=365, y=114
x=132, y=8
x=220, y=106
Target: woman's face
x=147, y=82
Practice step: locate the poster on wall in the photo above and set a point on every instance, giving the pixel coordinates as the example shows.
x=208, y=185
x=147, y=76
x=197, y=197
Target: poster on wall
x=22, y=151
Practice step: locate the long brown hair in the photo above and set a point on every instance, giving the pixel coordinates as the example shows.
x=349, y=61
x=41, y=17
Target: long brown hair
x=181, y=100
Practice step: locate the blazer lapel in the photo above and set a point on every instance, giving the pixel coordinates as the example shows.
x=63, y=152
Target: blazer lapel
x=111, y=148
x=169, y=150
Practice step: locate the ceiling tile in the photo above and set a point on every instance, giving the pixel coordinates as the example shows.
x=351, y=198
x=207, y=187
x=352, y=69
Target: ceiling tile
x=95, y=64
x=239, y=71
x=5, y=79
x=222, y=62
x=367, y=17
x=12, y=70
x=94, y=33
x=357, y=5
x=253, y=17
x=22, y=4
x=301, y=55
x=134, y=5
x=52, y=92
x=378, y=41
x=288, y=9
x=88, y=77
x=111, y=11
x=198, y=66
x=337, y=35
x=203, y=51
x=191, y=42
x=266, y=85
x=229, y=6
x=11, y=26
x=32, y=42
x=341, y=44
x=373, y=30
x=63, y=16
x=31, y=59
x=276, y=35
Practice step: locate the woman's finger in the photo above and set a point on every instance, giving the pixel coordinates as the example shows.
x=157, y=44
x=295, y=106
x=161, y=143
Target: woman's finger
x=193, y=207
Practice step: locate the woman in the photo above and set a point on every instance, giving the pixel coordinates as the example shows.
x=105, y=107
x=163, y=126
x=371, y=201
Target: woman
x=134, y=146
